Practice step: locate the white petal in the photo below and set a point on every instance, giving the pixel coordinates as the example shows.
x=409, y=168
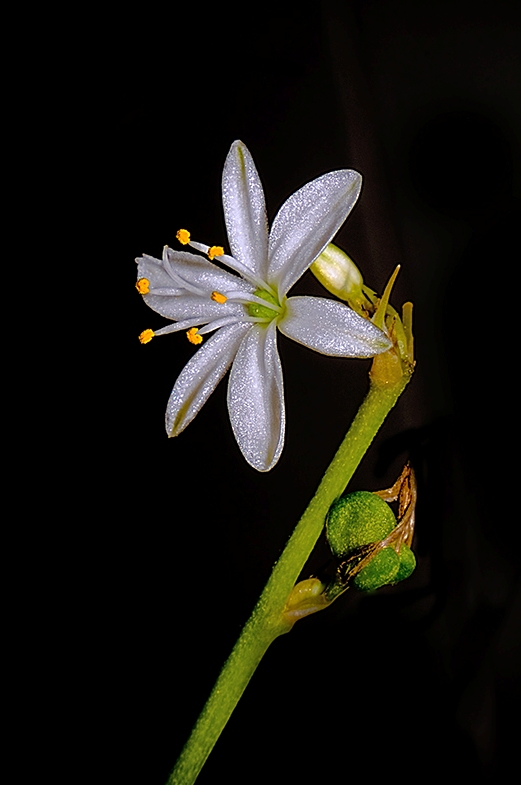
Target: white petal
x=307, y=222
x=190, y=306
x=201, y=375
x=245, y=210
x=256, y=398
x=151, y=268
x=200, y=272
x=197, y=272
x=331, y=328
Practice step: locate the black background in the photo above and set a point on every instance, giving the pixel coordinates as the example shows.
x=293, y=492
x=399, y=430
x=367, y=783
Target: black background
x=423, y=100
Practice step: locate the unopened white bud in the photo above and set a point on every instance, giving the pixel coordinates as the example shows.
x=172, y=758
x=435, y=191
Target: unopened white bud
x=338, y=273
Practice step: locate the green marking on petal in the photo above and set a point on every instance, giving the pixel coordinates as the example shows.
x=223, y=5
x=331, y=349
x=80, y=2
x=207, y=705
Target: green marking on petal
x=262, y=311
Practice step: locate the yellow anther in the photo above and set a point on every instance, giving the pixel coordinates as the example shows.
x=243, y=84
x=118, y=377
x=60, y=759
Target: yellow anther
x=183, y=236
x=215, y=250
x=146, y=336
x=193, y=336
x=143, y=286
x=217, y=297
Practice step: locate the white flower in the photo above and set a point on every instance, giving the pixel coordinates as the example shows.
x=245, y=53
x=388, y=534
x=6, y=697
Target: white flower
x=245, y=310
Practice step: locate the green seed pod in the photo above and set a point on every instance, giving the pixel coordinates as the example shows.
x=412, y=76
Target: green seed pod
x=362, y=518
x=381, y=570
x=407, y=564
x=358, y=519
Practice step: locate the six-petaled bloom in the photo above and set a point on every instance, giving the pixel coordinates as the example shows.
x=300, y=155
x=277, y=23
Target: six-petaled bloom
x=245, y=309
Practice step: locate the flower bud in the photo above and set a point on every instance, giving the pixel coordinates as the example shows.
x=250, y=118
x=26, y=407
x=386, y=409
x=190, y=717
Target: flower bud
x=305, y=598
x=339, y=274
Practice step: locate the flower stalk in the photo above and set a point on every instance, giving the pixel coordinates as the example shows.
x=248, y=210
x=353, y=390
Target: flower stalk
x=388, y=379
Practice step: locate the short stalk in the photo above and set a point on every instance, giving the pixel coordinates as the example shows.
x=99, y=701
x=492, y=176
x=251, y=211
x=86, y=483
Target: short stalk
x=267, y=621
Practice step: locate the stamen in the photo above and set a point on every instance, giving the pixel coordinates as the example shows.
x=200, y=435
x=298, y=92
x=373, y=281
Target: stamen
x=199, y=246
x=167, y=292
x=146, y=336
x=226, y=320
x=143, y=286
x=248, y=299
x=183, y=236
x=229, y=261
x=193, y=336
x=215, y=250
x=183, y=325
x=246, y=273
x=217, y=297
x=167, y=265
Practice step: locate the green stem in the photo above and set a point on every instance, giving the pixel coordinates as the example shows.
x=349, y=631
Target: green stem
x=267, y=622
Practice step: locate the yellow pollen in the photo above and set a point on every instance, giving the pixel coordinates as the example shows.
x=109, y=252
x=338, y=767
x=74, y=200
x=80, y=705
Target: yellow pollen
x=146, y=336
x=143, y=286
x=215, y=250
x=217, y=297
x=193, y=336
x=183, y=236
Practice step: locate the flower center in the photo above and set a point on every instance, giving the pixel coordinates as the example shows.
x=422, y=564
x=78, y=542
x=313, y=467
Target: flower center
x=263, y=311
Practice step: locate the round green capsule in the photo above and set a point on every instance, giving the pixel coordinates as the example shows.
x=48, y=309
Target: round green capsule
x=358, y=519
x=381, y=570
x=386, y=567
x=407, y=564
x=361, y=518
